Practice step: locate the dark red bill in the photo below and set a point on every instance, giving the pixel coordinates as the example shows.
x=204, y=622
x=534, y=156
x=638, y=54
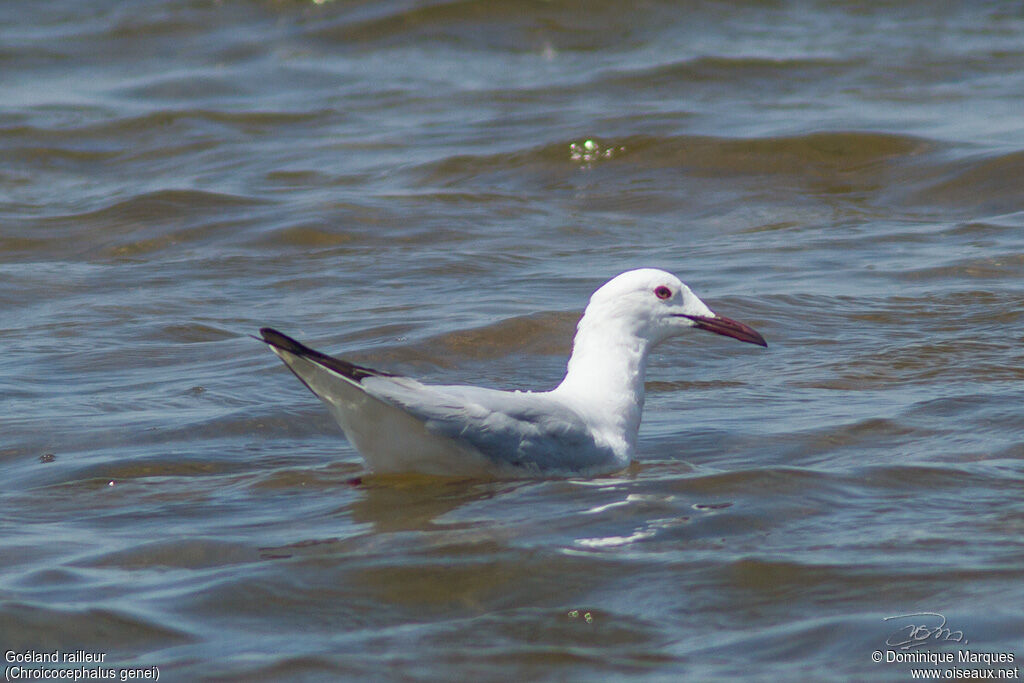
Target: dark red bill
x=727, y=327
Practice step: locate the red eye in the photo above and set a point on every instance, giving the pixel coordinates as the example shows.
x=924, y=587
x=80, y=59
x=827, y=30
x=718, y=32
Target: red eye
x=662, y=292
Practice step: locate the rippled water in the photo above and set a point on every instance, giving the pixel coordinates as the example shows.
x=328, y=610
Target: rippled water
x=435, y=188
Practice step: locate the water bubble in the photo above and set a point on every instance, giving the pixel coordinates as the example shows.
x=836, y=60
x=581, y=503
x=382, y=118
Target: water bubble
x=590, y=151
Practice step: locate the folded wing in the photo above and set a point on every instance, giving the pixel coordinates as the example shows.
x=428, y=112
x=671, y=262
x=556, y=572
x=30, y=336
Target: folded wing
x=399, y=424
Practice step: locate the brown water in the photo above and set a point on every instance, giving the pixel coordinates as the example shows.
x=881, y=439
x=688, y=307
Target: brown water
x=411, y=185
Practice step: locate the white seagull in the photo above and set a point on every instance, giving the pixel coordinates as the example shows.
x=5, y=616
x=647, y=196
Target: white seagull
x=586, y=425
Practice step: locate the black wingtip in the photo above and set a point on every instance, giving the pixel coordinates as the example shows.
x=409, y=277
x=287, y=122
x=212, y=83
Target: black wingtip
x=285, y=343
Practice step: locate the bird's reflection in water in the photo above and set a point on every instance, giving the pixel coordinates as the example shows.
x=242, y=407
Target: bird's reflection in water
x=405, y=509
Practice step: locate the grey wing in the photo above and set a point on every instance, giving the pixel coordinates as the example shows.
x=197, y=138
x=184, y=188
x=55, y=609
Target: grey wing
x=391, y=419
x=520, y=430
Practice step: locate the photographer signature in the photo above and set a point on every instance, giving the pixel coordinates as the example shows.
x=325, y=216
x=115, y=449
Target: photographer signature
x=932, y=630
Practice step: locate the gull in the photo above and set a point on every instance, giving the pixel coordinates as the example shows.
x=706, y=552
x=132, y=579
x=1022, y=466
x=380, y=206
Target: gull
x=587, y=425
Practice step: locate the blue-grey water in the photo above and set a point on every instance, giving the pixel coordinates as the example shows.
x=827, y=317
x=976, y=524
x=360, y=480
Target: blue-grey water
x=435, y=188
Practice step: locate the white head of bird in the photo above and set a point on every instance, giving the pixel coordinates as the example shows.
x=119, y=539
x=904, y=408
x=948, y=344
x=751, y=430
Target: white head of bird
x=627, y=317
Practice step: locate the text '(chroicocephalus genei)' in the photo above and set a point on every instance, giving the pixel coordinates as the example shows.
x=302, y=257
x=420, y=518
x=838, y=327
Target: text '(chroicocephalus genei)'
x=587, y=425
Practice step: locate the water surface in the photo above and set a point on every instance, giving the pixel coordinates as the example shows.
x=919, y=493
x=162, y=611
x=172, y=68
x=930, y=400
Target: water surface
x=435, y=189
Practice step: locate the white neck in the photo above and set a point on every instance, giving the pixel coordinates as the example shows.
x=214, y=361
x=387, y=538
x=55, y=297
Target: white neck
x=605, y=379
